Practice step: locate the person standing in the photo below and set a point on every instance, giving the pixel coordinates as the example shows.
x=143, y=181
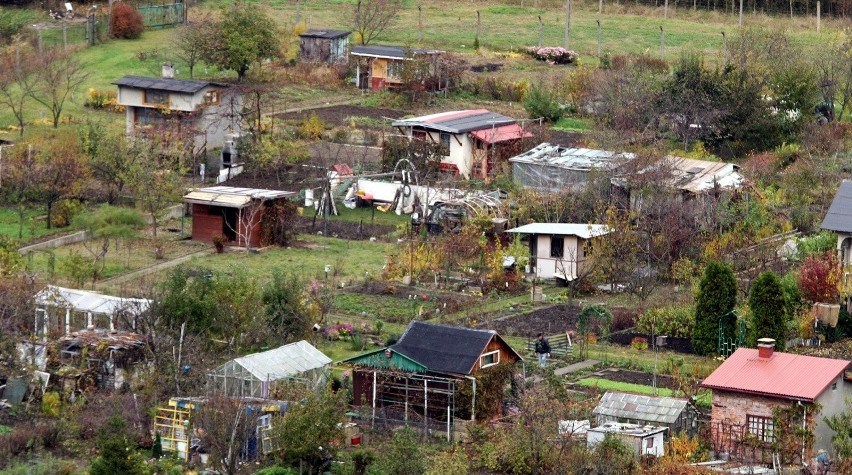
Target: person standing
x=542, y=349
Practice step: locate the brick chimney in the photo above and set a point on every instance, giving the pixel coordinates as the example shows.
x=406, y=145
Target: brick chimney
x=765, y=347
x=168, y=70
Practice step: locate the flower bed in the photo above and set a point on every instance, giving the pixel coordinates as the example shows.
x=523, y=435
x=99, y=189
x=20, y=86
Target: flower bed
x=553, y=54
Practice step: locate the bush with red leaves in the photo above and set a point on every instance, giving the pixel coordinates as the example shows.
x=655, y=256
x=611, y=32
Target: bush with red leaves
x=126, y=21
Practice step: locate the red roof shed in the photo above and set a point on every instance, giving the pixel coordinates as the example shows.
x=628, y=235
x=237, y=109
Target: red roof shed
x=781, y=375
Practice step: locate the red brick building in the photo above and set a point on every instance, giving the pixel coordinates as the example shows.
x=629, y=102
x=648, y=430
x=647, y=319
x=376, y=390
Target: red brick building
x=232, y=213
x=752, y=382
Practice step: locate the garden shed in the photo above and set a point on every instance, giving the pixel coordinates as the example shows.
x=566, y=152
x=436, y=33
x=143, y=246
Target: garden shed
x=324, y=46
x=434, y=375
x=676, y=414
x=233, y=214
x=253, y=375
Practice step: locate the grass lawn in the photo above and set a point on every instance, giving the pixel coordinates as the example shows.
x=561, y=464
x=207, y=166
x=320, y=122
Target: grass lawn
x=625, y=28
x=128, y=256
x=571, y=124
x=384, y=307
x=307, y=259
x=35, y=224
x=356, y=215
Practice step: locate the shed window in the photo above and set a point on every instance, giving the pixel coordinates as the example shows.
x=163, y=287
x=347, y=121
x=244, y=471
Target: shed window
x=761, y=427
x=211, y=97
x=153, y=96
x=395, y=69
x=557, y=246
x=445, y=143
x=489, y=359
x=649, y=443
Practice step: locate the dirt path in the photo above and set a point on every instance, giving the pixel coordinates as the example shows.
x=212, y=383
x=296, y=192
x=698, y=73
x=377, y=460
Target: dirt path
x=150, y=269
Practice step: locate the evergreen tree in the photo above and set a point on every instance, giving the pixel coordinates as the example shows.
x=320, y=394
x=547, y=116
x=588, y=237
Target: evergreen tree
x=117, y=454
x=157, y=450
x=767, y=304
x=717, y=297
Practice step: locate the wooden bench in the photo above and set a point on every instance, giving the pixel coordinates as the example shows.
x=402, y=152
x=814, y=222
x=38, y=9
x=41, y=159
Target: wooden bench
x=560, y=344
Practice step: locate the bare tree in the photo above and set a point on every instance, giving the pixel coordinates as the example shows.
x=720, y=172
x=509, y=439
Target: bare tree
x=190, y=40
x=16, y=81
x=226, y=426
x=59, y=74
x=372, y=17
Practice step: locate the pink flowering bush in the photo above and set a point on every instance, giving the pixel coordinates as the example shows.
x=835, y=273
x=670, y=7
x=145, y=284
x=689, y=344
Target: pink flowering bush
x=553, y=54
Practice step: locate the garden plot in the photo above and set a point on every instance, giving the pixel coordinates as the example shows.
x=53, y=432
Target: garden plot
x=397, y=303
x=363, y=116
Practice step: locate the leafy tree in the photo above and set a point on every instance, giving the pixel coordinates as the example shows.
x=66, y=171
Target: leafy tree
x=111, y=157
x=188, y=295
x=371, y=17
x=402, y=456
x=310, y=431
x=766, y=302
x=105, y=225
x=10, y=259
x=284, y=300
x=228, y=425
x=243, y=36
x=692, y=95
x=841, y=424
x=618, y=455
x=116, y=450
x=819, y=277
x=155, y=188
x=60, y=171
x=717, y=297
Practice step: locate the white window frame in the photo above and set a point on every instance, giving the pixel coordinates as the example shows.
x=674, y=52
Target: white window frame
x=496, y=359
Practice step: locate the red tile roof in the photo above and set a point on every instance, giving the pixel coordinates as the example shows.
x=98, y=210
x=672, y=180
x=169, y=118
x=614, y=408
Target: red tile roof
x=783, y=375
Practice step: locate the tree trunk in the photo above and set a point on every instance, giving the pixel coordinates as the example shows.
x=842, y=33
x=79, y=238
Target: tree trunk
x=49, y=213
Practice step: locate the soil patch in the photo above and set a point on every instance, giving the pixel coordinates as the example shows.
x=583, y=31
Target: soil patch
x=680, y=345
x=547, y=320
x=449, y=302
x=339, y=115
x=636, y=377
x=566, y=139
x=344, y=229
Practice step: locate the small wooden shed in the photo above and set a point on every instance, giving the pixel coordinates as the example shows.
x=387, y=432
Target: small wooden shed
x=324, y=46
x=233, y=213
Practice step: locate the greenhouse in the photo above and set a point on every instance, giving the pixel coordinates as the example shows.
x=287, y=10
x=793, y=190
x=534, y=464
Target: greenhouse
x=253, y=375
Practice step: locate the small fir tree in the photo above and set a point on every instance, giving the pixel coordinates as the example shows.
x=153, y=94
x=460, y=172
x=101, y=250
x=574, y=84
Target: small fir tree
x=767, y=304
x=717, y=297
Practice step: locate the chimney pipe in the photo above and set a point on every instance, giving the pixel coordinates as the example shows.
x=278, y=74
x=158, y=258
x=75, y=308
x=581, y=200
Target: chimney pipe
x=765, y=347
x=168, y=70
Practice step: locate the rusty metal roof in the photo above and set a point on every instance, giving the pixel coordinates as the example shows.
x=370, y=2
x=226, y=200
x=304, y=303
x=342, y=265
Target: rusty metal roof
x=115, y=340
x=782, y=375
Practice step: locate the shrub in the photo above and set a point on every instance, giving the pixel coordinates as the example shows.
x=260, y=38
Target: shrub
x=540, y=103
x=639, y=343
x=553, y=54
x=102, y=99
x=672, y=321
x=312, y=128
x=64, y=211
x=219, y=242
x=126, y=22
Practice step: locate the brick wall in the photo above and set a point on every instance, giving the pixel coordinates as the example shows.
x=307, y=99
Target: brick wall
x=732, y=408
x=205, y=225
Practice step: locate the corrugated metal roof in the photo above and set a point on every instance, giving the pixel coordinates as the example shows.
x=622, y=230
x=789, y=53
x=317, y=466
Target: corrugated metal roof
x=547, y=154
x=88, y=301
x=231, y=197
x=457, y=122
x=327, y=34
x=696, y=176
x=661, y=410
x=501, y=134
x=288, y=360
x=635, y=430
x=166, y=84
x=585, y=231
x=782, y=375
x=839, y=216
x=390, y=52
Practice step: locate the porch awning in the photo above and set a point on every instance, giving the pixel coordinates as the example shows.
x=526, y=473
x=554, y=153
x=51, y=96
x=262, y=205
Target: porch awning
x=503, y=133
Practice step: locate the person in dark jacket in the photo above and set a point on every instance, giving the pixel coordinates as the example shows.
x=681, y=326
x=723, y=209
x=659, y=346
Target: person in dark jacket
x=542, y=349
